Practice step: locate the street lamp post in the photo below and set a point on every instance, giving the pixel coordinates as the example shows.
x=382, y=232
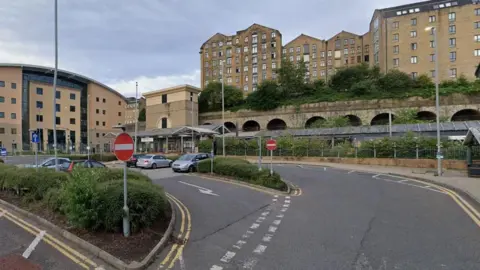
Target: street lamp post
x=55, y=88
x=437, y=100
x=223, y=111
x=136, y=118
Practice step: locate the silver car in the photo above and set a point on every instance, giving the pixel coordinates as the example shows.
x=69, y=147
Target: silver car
x=50, y=163
x=153, y=161
x=188, y=162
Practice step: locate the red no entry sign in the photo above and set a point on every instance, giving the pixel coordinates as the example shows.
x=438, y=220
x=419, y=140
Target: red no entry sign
x=271, y=144
x=123, y=147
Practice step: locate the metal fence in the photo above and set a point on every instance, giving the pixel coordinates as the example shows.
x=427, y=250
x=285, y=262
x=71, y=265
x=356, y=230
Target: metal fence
x=456, y=153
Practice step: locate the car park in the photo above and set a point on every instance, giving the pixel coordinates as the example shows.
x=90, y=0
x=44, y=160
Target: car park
x=68, y=167
x=50, y=163
x=188, y=162
x=153, y=162
x=132, y=162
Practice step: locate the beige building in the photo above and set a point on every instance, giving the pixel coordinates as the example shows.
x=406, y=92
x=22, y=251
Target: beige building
x=247, y=58
x=85, y=109
x=172, y=107
x=402, y=38
x=133, y=108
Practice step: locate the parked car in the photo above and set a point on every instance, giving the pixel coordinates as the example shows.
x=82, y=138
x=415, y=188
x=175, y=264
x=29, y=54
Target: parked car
x=188, y=162
x=153, y=162
x=132, y=162
x=68, y=167
x=50, y=163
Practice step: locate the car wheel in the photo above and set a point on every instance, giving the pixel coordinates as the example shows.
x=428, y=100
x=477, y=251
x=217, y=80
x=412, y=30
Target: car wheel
x=154, y=166
x=191, y=169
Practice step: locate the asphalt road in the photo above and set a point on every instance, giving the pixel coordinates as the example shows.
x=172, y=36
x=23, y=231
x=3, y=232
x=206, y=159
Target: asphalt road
x=342, y=220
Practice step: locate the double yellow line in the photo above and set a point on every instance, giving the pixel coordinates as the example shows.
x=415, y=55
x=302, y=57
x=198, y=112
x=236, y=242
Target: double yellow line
x=69, y=252
x=184, y=234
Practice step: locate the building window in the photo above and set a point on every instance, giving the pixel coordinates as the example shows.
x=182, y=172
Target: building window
x=298, y=57
x=395, y=37
x=274, y=65
x=2, y=130
x=2, y=115
x=414, y=75
x=104, y=112
x=164, y=122
x=2, y=83
x=14, y=85
x=97, y=123
x=72, y=97
x=453, y=72
x=432, y=73
x=164, y=98
x=413, y=34
x=432, y=57
x=39, y=118
x=432, y=44
x=476, y=25
x=58, y=95
x=273, y=34
x=104, y=100
x=13, y=100
x=39, y=105
x=396, y=49
x=476, y=38
x=396, y=62
x=413, y=21
x=39, y=91
x=432, y=18
x=119, y=113
x=413, y=46
x=72, y=108
x=476, y=52
x=57, y=120
x=13, y=115
x=103, y=123
x=329, y=53
x=452, y=29
x=72, y=121
x=395, y=25
x=453, y=56
x=413, y=60
x=452, y=42
x=2, y=99
x=57, y=107
x=246, y=78
x=452, y=16
x=477, y=12
x=97, y=111
x=14, y=131
x=98, y=99
x=291, y=58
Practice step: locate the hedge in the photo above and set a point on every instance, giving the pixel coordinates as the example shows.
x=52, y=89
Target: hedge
x=97, y=157
x=89, y=198
x=242, y=170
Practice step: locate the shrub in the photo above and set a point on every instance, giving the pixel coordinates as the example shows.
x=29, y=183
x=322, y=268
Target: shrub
x=242, y=170
x=1, y=161
x=97, y=157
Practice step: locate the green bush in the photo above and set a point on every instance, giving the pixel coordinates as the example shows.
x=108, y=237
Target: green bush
x=1, y=161
x=242, y=170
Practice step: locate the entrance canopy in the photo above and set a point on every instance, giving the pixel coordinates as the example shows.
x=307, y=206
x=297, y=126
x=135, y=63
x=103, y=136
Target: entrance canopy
x=203, y=130
x=473, y=137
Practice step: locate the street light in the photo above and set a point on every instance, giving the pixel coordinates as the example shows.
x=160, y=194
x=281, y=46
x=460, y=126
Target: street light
x=55, y=88
x=437, y=100
x=136, y=118
x=223, y=110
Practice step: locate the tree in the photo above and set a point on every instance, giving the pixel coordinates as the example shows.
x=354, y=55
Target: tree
x=210, y=98
x=267, y=97
x=423, y=81
x=407, y=116
x=345, y=78
x=142, y=116
x=395, y=81
x=291, y=79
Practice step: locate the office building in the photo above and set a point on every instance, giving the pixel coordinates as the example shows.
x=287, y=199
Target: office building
x=85, y=109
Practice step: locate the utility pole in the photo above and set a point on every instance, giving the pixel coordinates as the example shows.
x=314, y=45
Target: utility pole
x=137, y=114
x=223, y=112
x=55, y=74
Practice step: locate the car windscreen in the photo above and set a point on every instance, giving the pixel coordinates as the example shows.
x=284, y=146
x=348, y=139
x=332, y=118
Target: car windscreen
x=146, y=156
x=187, y=157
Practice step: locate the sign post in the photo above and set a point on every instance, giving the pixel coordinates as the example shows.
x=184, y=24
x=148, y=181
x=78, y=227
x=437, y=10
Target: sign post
x=123, y=149
x=35, y=140
x=259, y=153
x=271, y=145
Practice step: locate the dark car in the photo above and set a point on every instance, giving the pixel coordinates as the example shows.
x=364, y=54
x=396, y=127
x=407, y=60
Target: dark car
x=132, y=162
x=68, y=167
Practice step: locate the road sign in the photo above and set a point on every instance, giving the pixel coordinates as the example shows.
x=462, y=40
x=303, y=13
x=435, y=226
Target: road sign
x=35, y=138
x=123, y=147
x=3, y=152
x=271, y=144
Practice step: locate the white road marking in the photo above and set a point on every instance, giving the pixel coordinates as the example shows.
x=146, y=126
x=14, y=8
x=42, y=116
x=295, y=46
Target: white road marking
x=228, y=256
x=248, y=264
x=254, y=226
x=324, y=168
x=3, y=213
x=239, y=244
x=408, y=184
x=274, y=199
x=100, y=268
x=427, y=186
x=265, y=213
x=276, y=196
x=182, y=262
x=32, y=246
x=376, y=175
x=247, y=234
x=280, y=216
x=401, y=181
x=267, y=237
x=260, y=219
x=277, y=222
x=287, y=201
x=216, y=267
x=300, y=166
x=272, y=229
x=260, y=249
x=284, y=209
x=351, y=172
x=286, y=205
x=200, y=189
x=288, y=197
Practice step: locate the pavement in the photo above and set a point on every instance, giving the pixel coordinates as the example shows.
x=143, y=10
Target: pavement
x=343, y=219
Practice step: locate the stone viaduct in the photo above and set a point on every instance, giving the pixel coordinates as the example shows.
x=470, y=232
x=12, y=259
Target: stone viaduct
x=456, y=107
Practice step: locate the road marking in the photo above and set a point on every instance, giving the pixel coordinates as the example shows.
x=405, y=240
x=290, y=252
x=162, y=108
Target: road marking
x=260, y=219
x=276, y=196
x=182, y=230
x=408, y=184
x=287, y=201
x=200, y=189
x=280, y=216
x=284, y=209
x=187, y=233
x=351, y=172
x=182, y=262
x=265, y=213
x=32, y=246
x=216, y=267
x=376, y=175
x=267, y=237
x=300, y=166
x=228, y=256
x=247, y=234
x=286, y=205
x=274, y=200
x=272, y=229
x=288, y=197
x=239, y=244
x=324, y=168
x=402, y=181
x=277, y=222
x=254, y=226
x=260, y=249
x=270, y=192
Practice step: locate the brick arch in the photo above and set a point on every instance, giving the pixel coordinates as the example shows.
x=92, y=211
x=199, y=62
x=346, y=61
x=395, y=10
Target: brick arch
x=381, y=119
x=276, y=124
x=251, y=125
x=466, y=115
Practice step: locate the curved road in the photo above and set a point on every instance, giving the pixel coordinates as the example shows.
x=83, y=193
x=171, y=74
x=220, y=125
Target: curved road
x=342, y=220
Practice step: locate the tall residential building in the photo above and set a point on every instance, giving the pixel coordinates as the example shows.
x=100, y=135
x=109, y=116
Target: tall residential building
x=311, y=51
x=86, y=110
x=402, y=37
x=248, y=57
x=133, y=108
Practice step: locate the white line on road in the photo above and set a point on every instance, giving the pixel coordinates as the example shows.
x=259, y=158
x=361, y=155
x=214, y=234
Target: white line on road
x=200, y=189
x=265, y=213
x=402, y=181
x=376, y=175
x=254, y=226
x=228, y=256
x=412, y=185
x=272, y=229
x=284, y=209
x=280, y=216
x=300, y=166
x=277, y=222
x=216, y=267
x=274, y=199
x=32, y=246
x=276, y=196
x=260, y=249
x=260, y=219
x=287, y=201
x=286, y=205
x=351, y=172
x=248, y=264
x=182, y=262
x=267, y=237
x=288, y=197
x=239, y=244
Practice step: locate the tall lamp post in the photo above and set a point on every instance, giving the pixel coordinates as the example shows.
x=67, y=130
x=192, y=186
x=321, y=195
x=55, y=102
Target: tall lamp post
x=223, y=109
x=137, y=113
x=437, y=99
x=55, y=88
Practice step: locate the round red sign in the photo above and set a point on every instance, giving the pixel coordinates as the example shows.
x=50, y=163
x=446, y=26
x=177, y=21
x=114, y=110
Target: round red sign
x=271, y=144
x=123, y=147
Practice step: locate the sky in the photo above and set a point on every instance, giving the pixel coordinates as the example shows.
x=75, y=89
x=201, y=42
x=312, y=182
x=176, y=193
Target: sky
x=156, y=42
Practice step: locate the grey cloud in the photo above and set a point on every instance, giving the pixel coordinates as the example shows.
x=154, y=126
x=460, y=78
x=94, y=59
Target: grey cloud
x=122, y=39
